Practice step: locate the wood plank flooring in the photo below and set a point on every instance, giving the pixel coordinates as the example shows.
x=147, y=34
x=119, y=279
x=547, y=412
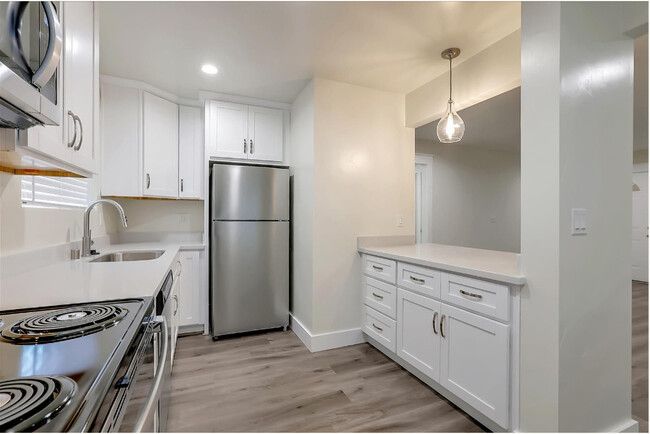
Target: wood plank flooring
x=271, y=382
x=640, y=354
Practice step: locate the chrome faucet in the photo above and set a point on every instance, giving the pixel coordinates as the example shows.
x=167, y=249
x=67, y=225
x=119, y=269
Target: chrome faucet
x=86, y=241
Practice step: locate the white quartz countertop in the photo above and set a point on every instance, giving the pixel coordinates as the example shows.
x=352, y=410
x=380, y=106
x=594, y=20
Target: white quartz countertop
x=81, y=281
x=486, y=264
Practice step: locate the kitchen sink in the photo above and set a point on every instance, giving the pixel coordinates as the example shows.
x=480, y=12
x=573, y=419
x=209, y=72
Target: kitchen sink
x=135, y=255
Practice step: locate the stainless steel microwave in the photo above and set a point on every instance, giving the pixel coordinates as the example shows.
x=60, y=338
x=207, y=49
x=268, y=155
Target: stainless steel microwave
x=31, y=42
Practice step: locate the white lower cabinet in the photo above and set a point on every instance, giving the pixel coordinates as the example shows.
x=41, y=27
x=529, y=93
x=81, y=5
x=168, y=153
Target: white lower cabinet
x=190, y=298
x=380, y=327
x=475, y=361
x=418, y=334
x=461, y=348
x=173, y=298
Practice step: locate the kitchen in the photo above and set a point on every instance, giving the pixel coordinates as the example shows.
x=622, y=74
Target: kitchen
x=255, y=180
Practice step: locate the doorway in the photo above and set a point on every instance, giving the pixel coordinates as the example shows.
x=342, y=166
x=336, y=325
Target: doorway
x=423, y=197
x=640, y=223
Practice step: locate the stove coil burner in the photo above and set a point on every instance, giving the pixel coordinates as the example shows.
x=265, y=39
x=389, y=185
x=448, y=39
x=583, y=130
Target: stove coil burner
x=29, y=402
x=64, y=324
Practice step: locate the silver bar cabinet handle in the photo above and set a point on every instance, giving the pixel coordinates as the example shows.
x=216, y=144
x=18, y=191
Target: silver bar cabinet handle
x=148, y=180
x=381, y=297
x=81, y=133
x=378, y=268
x=74, y=122
x=471, y=295
x=377, y=327
x=245, y=147
x=153, y=396
x=252, y=147
x=442, y=326
x=417, y=280
x=433, y=323
x=181, y=184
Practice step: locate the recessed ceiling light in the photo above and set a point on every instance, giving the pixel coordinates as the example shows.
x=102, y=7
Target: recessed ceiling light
x=209, y=69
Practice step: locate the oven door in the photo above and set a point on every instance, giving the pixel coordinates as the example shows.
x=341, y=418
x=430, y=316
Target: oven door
x=140, y=411
x=31, y=44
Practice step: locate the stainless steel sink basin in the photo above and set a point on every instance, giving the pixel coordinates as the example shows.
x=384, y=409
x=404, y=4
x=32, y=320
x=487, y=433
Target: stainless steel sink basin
x=135, y=255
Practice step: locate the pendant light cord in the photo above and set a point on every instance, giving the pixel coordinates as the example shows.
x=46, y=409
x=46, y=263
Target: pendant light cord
x=450, y=100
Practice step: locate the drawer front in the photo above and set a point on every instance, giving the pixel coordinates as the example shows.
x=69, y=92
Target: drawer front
x=487, y=298
x=419, y=279
x=380, y=327
x=380, y=296
x=379, y=268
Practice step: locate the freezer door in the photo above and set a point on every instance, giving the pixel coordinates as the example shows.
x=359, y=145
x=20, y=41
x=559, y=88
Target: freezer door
x=249, y=193
x=249, y=276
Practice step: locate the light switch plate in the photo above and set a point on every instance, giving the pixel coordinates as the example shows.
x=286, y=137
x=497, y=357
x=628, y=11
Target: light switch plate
x=579, y=221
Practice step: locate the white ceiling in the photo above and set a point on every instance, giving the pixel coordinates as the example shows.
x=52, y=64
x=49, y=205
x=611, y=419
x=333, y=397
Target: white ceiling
x=271, y=49
x=490, y=124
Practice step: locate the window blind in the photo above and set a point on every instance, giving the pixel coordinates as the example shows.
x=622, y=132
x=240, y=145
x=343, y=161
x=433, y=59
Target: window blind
x=54, y=192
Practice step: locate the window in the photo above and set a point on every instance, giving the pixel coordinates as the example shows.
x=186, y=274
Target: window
x=47, y=191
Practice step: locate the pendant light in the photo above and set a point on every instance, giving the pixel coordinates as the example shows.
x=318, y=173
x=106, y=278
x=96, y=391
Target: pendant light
x=450, y=127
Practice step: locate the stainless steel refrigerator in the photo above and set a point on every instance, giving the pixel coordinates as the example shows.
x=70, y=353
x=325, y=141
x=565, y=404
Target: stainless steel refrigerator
x=249, y=248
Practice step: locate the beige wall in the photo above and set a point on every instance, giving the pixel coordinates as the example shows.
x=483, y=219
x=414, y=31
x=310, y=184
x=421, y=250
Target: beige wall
x=362, y=181
x=27, y=228
x=476, y=196
x=491, y=72
x=301, y=158
x=159, y=216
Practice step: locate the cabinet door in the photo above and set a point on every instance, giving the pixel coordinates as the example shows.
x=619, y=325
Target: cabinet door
x=228, y=126
x=418, y=332
x=189, y=297
x=265, y=133
x=174, y=325
x=79, y=81
x=160, y=147
x=121, y=136
x=190, y=153
x=474, y=364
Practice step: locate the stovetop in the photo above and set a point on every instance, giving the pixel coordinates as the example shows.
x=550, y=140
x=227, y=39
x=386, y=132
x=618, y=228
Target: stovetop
x=57, y=363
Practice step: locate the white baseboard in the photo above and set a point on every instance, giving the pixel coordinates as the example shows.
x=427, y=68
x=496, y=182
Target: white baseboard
x=629, y=426
x=326, y=341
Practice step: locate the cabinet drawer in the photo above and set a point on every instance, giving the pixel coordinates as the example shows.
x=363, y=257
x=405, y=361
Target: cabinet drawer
x=419, y=279
x=379, y=295
x=380, y=327
x=379, y=268
x=484, y=297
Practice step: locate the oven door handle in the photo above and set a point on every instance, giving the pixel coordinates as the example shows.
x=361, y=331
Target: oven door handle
x=153, y=397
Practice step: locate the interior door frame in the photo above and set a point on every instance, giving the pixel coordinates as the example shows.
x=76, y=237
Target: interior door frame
x=427, y=193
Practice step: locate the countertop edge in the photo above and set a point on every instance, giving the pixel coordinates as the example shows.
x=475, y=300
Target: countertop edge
x=499, y=277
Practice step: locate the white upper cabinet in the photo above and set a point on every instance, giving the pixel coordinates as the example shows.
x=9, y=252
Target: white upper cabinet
x=237, y=131
x=190, y=153
x=79, y=82
x=265, y=134
x=229, y=125
x=121, y=138
x=160, y=146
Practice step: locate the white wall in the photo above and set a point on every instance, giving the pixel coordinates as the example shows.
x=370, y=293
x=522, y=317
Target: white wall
x=363, y=179
x=576, y=153
x=301, y=159
x=27, y=228
x=476, y=196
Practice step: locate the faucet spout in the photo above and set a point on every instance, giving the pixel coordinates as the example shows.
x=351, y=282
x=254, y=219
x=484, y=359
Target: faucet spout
x=86, y=241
